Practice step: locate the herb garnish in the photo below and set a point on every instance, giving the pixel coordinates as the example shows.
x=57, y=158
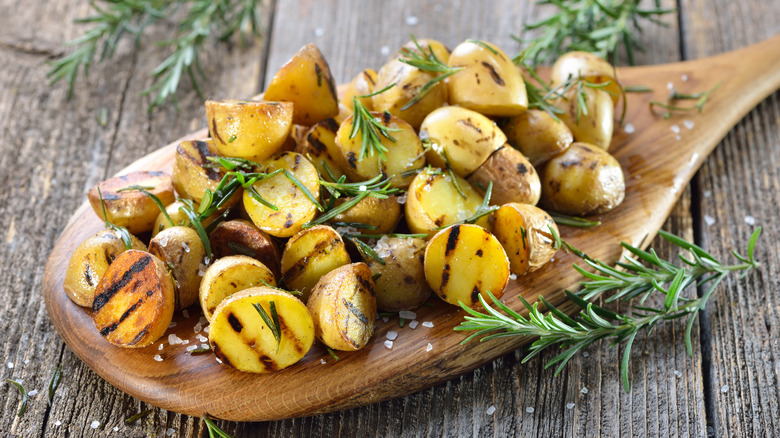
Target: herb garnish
x=376, y=187
x=700, y=98
x=572, y=221
x=370, y=128
x=428, y=62
x=122, y=232
x=23, y=406
x=54, y=382
x=215, y=431
x=132, y=419
x=271, y=321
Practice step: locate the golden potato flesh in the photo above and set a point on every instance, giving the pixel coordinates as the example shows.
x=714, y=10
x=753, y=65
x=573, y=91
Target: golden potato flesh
x=182, y=251
x=383, y=214
x=293, y=207
x=249, y=129
x=310, y=254
x=583, y=180
x=241, y=338
x=343, y=307
x=524, y=232
x=433, y=201
x=400, y=282
x=361, y=85
x=588, y=66
x=538, y=135
x=193, y=173
x=596, y=126
x=489, y=82
x=465, y=137
x=241, y=237
x=306, y=81
x=408, y=82
x=229, y=275
x=89, y=263
x=132, y=209
x=319, y=146
x=514, y=178
x=463, y=262
x=404, y=153
x=134, y=300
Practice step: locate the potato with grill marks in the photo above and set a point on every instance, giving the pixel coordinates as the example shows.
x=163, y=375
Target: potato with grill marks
x=194, y=173
x=588, y=66
x=240, y=336
x=182, y=251
x=319, y=146
x=433, y=201
x=463, y=262
x=362, y=84
x=408, y=80
x=134, y=301
x=524, y=232
x=241, y=237
x=89, y=263
x=229, y=275
x=343, y=306
x=310, y=254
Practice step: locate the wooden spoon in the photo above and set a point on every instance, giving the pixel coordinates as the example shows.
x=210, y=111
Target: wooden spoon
x=659, y=158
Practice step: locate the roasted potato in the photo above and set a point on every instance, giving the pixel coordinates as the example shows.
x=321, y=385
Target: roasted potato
x=249, y=129
x=89, y=263
x=193, y=173
x=524, y=232
x=229, y=275
x=182, y=251
x=583, y=180
x=241, y=237
x=134, y=300
x=514, y=178
x=361, y=85
x=293, y=208
x=408, y=81
x=132, y=209
x=464, y=261
x=594, y=127
x=400, y=282
x=383, y=214
x=319, y=146
x=489, y=82
x=403, y=154
x=179, y=218
x=460, y=136
x=588, y=66
x=343, y=307
x=538, y=135
x=439, y=50
x=310, y=254
x=305, y=80
x=241, y=338
x=433, y=201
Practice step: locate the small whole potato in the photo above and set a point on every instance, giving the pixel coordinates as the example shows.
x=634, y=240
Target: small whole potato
x=595, y=126
x=583, y=180
x=589, y=66
x=538, y=135
x=433, y=201
x=524, y=232
x=514, y=178
x=408, y=80
x=361, y=85
x=399, y=283
x=310, y=254
x=242, y=237
x=132, y=209
x=319, y=146
x=383, y=214
x=194, y=173
x=182, y=251
x=229, y=275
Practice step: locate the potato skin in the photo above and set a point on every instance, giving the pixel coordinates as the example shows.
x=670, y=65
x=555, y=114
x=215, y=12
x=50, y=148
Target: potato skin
x=524, y=232
x=182, y=251
x=597, y=125
x=132, y=209
x=249, y=129
x=401, y=283
x=318, y=145
x=538, y=135
x=362, y=84
x=89, y=263
x=589, y=66
x=514, y=178
x=229, y=275
x=241, y=237
x=583, y=180
x=343, y=307
x=384, y=214
x=134, y=300
x=310, y=254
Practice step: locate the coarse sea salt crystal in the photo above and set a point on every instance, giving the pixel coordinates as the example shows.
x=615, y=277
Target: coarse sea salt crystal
x=32, y=393
x=724, y=389
x=26, y=361
x=158, y=358
x=407, y=314
x=670, y=86
x=412, y=20
x=202, y=338
x=389, y=344
x=204, y=346
x=428, y=324
x=709, y=220
x=685, y=78
x=569, y=405
x=677, y=373
x=413, y=324
x=688, y=124
x=173, y=339
x=170, y=431
x=192, y=347
x=675, y=129
x=584, y=390
x=116, y=428
x=513, y=276
x=218, y=360
x=206, y=329
x=162, y=344
x=58, y=423
x=401, y=199
x=429, y=347
x=750, y=220
x=163, y=241
x=318, y=32
x=172, y=324
x=585, y=354
x=363, y=188
x=384, y=50
x=198, y=327
x=10, y=364
x=385, y=319
x=529, y=409
x=186, y=313
x=391, y=335
x=95, y=424
x=629, y=128
x=322, y=361
x=185, y=247
x=491, y=410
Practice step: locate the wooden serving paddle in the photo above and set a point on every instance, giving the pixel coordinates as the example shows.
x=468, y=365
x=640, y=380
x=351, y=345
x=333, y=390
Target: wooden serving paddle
x=659, y=158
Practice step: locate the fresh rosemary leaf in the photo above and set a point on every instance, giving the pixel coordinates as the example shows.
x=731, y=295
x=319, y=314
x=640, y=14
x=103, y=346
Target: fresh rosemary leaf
x=369, y=128
x=637, y=89
x=303, y=188
x=132, y=419
x=573, y=221
x=701, y=99
x=23, y=405
x=54, y=382
x=483, y=45
x=214, y=430
x=199, y=350
x=271, y=321
x=365, y=249
x=428, y=62
x=332, y=353
x=196, y=223
x=125, y=235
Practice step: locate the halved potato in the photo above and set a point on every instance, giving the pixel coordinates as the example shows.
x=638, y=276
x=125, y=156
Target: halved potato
x=194, y=173
x=182, y=251
x=132, y=209
x=179, y=218
x=241, y=338
x=514, y=178
x=538, y=135
x=362, y=84
x=134, y=300
x=310, y=254
x=343, y=307
x=463, y=262
x=241, y=237
x=399, y=283
x=408, y=82
x=524, y=232
x=319, y=146
x=597, y=125
x=89, y=263
x=383, y=214
x=229, y=275
x=433, y=202
x=589, y=66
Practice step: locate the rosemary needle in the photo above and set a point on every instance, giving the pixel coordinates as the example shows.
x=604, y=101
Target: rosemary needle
x=370, y=128
x=23, y=405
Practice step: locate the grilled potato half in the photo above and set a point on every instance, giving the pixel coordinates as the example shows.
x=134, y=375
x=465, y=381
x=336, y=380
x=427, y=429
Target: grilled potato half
x=319, y=146
x=384, y=214
x=343, y=307
x=433, y=201
x=241, y=337
x=182, y=252
x=132, y=209
x=193, y=172
x=229, y=275
x=524, y=232
x=310, y=254
x=134, y=301
x=463, y=262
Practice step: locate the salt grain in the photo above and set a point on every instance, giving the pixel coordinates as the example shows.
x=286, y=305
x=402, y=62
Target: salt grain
x=186, y=313
x=429, y=347
x=675, y=129
x=670, y=86
x=198, y=327
x=163, y=241
x=585, y=354
x=202, y=338
x=569, y=405
x=389, y=344
x=724, y=389
x=709, y=220
x=218, y=360
x=677, y=373
x=322, y=361
x=491, y=410
x=206, y=329
x=185, y=247
x=318, y=32
x=750, y=220
x=584, y=390
x=513, y=276
x=685, y=78
x=116, y=428
x=172, y=324
x=391, y=335
x=95, y=424
x=629, y=128
x=407, y=314
x=26, y=361
x=363, y=188
x=170, y=431
x=529, y=409
x=158, y=358
x=58, y=423
x=384, y=50
x=688, y=124
x=427, y=324
x=413, y=324
x=173, y=339
x=385, y=319
x=401, y=199
x=192, y=347
x=185, y=342
x=10, y=364
x=707, y=194
x=162, y=344
x=204, y=346
x=412, y=20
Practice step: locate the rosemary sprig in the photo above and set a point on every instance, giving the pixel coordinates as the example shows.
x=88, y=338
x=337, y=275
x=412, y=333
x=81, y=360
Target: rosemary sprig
x=23, y=405
x=594, y=323
x=428, y=62
x=573, y=221
x=596, y=26
x=125, y=235
x=214, y=430
x=54, y=382
x=115, y=18
x=484, y=209
x=370, y=128
x=271, y=321
x=376, y=187
x=701, y=99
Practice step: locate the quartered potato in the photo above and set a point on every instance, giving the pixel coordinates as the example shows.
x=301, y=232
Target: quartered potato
x=310, y=254
x=538, y=135
x=465, y=261
x=134, y=301
x=182, y=252
x=524, y=232
x=229, y=275
x=362, y=84
x=241, y=237
x=132, y=209
x=383, y=214
x=489, y=82
x=319, y=146
x=460, y=136
x=596, y=126
x=305, y=80
x=249, y=129
x=408, y=81
x=514, y=178
x=400, y=282
x=433, y=202
x=343, y=307
x=89, y=263
x=241, y=338
x=588, y=66
x=193, y=173
x=293, y=207
x=403, y=154
x=583, y=180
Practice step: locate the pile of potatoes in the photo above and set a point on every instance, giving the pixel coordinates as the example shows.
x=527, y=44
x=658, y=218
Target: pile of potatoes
x=470, y=133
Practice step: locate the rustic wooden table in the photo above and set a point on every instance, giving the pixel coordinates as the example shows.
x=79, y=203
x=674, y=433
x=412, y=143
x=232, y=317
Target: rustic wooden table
x=54, y=149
